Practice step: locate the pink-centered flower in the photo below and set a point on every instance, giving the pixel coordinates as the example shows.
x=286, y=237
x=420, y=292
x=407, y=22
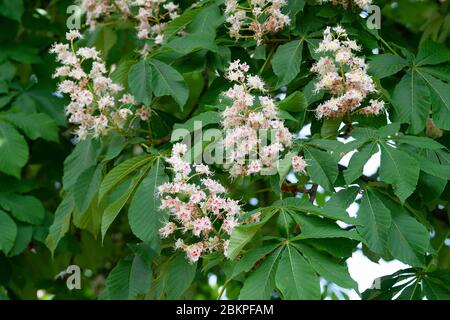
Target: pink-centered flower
x=200, y=217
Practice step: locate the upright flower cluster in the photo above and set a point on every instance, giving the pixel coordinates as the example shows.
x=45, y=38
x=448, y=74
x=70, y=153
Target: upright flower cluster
x=360, y=3
x=254, y=134
x=344, y=75
x=96, y=103
x=99, y=9
x=201, y=218
x=299, y=164
x=259, y=17
x=152, y=16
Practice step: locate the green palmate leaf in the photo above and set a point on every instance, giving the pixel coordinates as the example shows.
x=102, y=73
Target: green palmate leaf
x=86, y=187
x=61, y=223
x=434, y=165
x=389, y=130
x=207, y=21
x=120, y=74
x=332, y=210
x=144, y=215
x=24, y=208
x=440, y=277
x=412, y=292
x=194, y=42
x=180, y=22
x=23, y=239
x=296, y=102
x=7, y=71
x=310, y=94
x=103, y=38
x=328, y=267
x=22, y=53
x=129, y=279
x=362, y=136
x=440, y=72
x=285, y=223
x=4, y=87
x=244, y=233
x=435, y=291
x=166, y=81
x=431, y=187
x=386, y=65
x=180, y=275
x=295, y=277
x=113, y=209
x=338, y=203
x=91, y=219
x=374, y=222
x=432, y=53
x=260, y=52
x=199, y=121
x=313, y=227
x=343, y=198
x=440, y=100
x=408, y=239
x=222, y=58
x=83, y=156
x=121, y=172
x=140, y=82
x=115, y=146
x=420, y=142
x=34, y=125
x=13, y=150
x=399, y=169
x=411, y=100
x=284, y=166
x=322, y=168
x=12, y=9
x=358, y=161
x=117, y=283
x=40, y=100
x=8, y=232
x=261, y=282
x=385, y=287
x=287, y=61
x=330, y=127
x=292, y=8
x=284, y=115
x=248, y=261
x=337, y=247
x=140, y=277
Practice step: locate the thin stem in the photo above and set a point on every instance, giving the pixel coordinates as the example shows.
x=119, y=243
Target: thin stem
x=272, y=51
x=388, y=46
x=436, y=254
x=221, y=292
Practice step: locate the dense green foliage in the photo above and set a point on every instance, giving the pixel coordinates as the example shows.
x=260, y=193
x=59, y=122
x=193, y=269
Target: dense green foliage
x=94, y=203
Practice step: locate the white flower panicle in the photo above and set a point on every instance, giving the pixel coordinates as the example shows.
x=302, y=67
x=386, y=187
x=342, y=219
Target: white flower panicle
x=344, y=75
x=96, y=104
x=201, y=217
x=299, y=164
x=151, y=16
x=259, y=17
x=360, y=3
x=247, y=123
x=100, y=9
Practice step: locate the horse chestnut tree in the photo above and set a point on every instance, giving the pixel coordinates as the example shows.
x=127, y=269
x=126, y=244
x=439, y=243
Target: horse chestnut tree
x=259, y=143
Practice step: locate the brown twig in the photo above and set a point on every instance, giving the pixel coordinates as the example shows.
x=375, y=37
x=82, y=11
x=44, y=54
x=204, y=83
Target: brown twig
x=292, y=188
x=313, y=192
